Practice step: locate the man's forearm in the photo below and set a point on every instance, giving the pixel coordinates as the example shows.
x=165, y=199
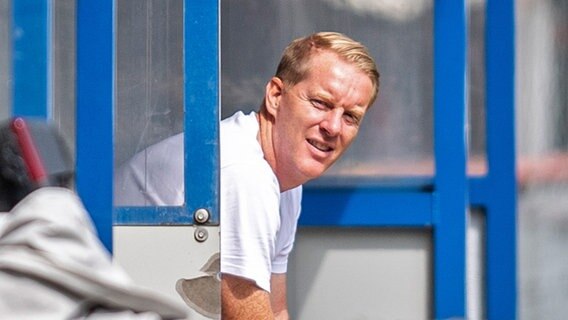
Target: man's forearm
x=242, y=299
x=278, y=296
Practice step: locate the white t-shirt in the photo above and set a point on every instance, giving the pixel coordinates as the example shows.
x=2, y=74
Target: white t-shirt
x=258, y=223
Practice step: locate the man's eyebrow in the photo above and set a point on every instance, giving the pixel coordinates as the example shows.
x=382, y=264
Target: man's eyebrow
x=358, y=112
x=328, y=98
x=323, y=95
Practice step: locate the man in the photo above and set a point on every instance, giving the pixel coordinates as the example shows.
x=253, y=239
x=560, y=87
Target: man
x=310, y=114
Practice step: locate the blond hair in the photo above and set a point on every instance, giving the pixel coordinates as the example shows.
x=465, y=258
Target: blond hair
x=294, y=66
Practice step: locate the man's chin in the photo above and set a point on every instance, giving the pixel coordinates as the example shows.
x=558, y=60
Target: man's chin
x=314, y=171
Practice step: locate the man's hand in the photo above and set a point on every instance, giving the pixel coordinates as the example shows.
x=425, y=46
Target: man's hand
x=243, y=299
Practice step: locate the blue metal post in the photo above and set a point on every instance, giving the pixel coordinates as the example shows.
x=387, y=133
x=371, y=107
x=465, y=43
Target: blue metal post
x=201, y=22
x=450, y=158
x=30, y=58
x=501, y=205
x=95, y=112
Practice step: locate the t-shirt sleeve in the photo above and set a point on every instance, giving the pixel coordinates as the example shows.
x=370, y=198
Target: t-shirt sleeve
x=250, y=222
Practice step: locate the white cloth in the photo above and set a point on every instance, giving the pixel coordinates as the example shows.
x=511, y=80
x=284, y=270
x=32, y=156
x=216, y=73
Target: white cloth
x=154, y=176
x=53, y=266
x=258, y=223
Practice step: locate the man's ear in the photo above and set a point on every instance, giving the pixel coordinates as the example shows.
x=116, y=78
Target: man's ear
x=273, y=95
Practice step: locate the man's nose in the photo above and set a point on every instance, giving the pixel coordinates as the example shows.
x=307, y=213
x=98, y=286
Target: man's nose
x=331, y=124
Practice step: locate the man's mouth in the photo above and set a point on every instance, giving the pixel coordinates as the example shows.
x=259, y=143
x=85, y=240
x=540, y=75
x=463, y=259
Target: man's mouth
x=320, y=146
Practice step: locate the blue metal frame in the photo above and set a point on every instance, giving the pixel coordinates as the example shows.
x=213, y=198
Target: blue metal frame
x=444, y=208
x=201, y=134
x=95, y=38
x=441, y=205
x=30, y=56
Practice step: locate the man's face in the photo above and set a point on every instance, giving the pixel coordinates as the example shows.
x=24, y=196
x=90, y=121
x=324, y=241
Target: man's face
x=317, y=118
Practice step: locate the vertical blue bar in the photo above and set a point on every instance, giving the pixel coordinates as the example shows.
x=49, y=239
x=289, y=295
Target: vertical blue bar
x=201, y=36
x=450, y=152
x=94, y=112
x=30, y=43
x=501, y=207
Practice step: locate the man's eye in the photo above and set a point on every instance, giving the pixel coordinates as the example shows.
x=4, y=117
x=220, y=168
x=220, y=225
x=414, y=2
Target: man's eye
x=319, y=104
x=351, y=119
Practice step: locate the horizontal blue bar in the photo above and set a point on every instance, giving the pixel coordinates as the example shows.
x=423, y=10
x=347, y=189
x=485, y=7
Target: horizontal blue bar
x=366, y=206
x=397, y=183
x=389, y=204
x=152, y=216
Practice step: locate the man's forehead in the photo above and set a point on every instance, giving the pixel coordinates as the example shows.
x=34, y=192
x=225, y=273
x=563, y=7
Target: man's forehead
x=318, y=56
x=335, y=83
x=329, y=59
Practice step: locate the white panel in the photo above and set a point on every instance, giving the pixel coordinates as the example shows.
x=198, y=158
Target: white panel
x=156, y=256
x=361, y=274
x=476, y=252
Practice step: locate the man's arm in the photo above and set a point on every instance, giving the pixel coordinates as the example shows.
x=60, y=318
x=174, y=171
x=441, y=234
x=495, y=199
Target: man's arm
x=243, y=299
x=278, y=296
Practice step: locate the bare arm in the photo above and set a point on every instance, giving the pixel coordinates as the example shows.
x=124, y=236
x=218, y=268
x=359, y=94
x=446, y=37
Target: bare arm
x=278, y=296
x=243, y=299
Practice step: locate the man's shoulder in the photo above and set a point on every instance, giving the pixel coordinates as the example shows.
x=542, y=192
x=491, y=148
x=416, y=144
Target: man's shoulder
x=238, y=140
x=239, y=123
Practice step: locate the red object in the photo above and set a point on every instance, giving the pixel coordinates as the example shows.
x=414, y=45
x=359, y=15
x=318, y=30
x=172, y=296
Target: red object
x=30, y=153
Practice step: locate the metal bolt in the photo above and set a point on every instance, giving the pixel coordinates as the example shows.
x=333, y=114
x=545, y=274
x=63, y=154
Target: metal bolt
x=201, y=215
x=201, y=234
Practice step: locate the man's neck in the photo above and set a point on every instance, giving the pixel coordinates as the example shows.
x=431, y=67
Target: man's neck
x=265, y=124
